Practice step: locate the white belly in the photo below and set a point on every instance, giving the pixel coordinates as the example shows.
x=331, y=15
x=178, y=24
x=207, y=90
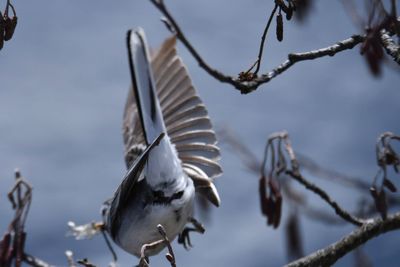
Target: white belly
x=137, y=231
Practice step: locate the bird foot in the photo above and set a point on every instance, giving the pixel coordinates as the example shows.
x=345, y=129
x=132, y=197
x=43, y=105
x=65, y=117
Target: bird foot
x=184, y=237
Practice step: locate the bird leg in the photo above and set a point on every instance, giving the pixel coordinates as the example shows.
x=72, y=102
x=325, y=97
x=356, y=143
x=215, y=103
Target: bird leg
x=184, y=237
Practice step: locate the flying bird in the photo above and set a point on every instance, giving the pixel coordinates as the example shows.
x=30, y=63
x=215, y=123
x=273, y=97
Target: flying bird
x=170, y=152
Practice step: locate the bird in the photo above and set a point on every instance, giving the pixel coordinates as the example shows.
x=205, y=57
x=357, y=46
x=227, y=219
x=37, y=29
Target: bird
x=171, y=152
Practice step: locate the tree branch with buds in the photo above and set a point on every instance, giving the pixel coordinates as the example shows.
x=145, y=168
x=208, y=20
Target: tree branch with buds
x=248, y=81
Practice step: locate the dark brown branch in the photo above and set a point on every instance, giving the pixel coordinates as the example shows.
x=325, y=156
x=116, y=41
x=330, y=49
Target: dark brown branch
x=332, y=253
x=248, y=86
x=312, y=187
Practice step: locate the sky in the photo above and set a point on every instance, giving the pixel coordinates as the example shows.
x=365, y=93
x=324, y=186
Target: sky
x=63, y=83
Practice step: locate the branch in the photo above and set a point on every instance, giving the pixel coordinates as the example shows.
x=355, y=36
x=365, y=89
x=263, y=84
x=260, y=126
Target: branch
x=330, y=254
x=339, y=211
x=263, y=39
x=159, y=4
x=390, y=46
x=35, y=262
x=278, y=164
x=170, y=256
x=252, y=163
x=246, y=87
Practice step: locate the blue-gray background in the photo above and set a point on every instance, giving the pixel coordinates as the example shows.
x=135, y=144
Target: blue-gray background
x=63, y=82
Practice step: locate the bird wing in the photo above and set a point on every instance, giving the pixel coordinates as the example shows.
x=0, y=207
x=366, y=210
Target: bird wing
x=125, y=189
x=186, y=121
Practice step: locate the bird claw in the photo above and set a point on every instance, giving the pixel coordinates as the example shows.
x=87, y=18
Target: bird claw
x=184, y=237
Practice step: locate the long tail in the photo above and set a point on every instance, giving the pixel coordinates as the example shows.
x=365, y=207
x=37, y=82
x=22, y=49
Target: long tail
x=144, y=86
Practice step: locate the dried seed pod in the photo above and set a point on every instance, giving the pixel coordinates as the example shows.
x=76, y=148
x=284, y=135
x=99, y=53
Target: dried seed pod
x=2, y=26
x=381, y=204
x=289, y=12
x=20, y=249
x=389, y=185
x=271, y=211
x=263, y=195
x=279, y=27
x=4, y=248
x=10, y=24
x=294, y=242
x=380, y=201
x=278, y=211
x=373, y=52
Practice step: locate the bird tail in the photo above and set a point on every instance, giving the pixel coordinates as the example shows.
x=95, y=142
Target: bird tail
x=144, y=86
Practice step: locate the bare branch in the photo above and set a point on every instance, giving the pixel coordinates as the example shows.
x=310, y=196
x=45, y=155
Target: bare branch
x=180, y=35
x=390, y=46
x=339, y=211
x=170, y=255
x=263, y=39
x=332, y=253
x=280, y=166
x=35, y=262
x=248, y=86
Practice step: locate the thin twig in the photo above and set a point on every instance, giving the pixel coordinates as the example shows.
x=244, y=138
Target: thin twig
x=159, y=4
x=329, y=255
x=108, y=243
x=339, y=211
x=263, y=39
x=170, y=255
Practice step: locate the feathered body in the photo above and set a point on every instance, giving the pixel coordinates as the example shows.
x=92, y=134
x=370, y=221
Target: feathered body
x=170, y=150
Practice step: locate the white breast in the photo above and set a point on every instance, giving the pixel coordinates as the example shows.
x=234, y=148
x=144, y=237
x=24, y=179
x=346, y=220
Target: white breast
x=137, y=231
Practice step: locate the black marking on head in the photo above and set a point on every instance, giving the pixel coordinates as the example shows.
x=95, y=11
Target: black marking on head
x=160, y=199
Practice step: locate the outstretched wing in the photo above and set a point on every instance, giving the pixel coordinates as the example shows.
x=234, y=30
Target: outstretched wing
x=186, y=121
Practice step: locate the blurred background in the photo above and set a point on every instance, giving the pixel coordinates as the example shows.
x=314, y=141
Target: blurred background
x=63, y=82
